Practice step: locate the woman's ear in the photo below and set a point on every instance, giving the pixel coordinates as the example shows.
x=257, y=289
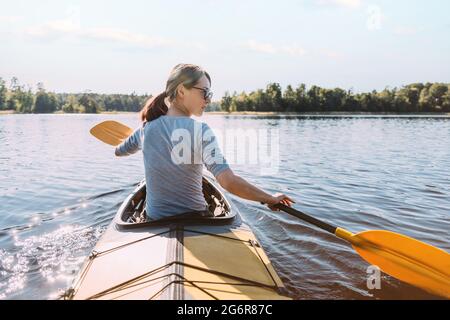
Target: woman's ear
x=181, y=91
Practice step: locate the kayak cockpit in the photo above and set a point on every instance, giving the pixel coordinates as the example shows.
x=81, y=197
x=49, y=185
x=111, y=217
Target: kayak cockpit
x=133, y=214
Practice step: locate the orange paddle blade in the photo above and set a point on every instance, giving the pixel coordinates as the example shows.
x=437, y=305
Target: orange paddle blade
x=406, y=259
x=111, y=132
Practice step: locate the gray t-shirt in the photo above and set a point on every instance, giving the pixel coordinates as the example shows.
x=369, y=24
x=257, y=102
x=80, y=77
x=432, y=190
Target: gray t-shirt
x=175, y=149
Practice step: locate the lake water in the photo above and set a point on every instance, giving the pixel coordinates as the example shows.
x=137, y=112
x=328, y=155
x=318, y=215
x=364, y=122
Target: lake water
x=60, y=188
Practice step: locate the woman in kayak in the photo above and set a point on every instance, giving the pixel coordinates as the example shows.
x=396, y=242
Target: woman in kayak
x=175, y=148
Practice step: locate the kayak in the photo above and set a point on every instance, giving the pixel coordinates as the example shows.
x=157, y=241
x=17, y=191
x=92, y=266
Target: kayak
x=210, y=255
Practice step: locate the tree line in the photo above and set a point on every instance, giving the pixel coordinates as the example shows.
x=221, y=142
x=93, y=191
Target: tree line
x=22, y=99
x=413, y=98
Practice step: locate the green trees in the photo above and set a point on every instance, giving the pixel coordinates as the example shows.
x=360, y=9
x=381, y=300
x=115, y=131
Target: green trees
x=25, y=100
x=71, y=105
x=3, y=91
x=19, y=98
x=313, y=98
x=289, y=99
x=417, y=97
x=89, y=104
x=332, y=99
x=274, y=97
x=46, y=102
x=22, y=100
x=446, y=100
x=226, y=102
x=437, y=93
x=302, y=102
x=121, y=102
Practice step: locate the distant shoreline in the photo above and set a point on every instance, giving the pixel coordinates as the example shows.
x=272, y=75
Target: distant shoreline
x=250, y=113
x=255, y=113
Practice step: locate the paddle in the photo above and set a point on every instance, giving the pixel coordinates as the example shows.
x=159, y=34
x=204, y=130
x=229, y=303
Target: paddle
x=404, y=258
x=111, y=132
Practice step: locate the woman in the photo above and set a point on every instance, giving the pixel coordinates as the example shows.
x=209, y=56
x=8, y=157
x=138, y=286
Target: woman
x=175, y=147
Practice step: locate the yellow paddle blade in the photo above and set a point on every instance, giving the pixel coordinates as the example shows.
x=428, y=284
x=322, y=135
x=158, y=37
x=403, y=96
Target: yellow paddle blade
x=406, y=259
x=111, y=132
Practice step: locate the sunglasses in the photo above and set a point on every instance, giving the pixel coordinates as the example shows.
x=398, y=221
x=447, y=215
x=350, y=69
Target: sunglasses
x=207, y=94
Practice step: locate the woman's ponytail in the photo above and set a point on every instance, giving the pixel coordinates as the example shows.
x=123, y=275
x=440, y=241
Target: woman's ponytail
x=154, y=108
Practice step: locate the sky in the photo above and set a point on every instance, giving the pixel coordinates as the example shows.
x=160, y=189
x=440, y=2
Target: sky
x=131, y=46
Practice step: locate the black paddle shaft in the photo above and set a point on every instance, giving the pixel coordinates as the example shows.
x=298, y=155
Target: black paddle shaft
x=293, y=212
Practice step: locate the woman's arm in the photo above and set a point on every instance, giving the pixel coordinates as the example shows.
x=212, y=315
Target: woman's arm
x=241, y=188
x=131, y=145
x=234, y=184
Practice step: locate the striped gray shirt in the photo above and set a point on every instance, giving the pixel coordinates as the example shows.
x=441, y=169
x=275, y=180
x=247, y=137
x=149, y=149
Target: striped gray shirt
x=175, y=150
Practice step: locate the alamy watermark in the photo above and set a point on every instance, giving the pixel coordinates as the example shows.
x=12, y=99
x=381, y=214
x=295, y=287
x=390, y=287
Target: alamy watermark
x=374, y=278
x=374, y=18
x=253, y=147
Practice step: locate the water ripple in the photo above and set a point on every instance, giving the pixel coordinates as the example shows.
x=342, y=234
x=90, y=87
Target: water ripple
x=360, y=173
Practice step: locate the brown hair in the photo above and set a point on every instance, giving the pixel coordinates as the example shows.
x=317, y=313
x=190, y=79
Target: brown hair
x=186, y=74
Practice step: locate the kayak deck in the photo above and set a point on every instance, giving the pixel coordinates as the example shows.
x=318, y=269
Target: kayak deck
x=178, y=259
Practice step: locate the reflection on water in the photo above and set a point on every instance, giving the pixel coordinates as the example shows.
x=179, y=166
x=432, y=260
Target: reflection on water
x=59, y=189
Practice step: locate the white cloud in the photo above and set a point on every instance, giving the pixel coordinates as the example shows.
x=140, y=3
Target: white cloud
x=341, y=3
x=10, y=19
x=293, y=50
x=405, y=31
x=124, y=37
x=268, y=48
x=332, y=54
x=71, y=29
x=54, y=29
x=261, y=47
